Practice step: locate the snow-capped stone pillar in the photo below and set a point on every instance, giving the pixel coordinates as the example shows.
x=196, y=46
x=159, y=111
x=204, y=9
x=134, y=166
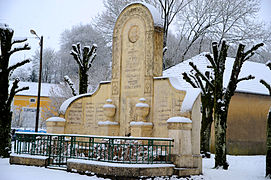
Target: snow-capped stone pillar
x=109, y=127
x=141, y=128
x=180, y=129
x=55, y=125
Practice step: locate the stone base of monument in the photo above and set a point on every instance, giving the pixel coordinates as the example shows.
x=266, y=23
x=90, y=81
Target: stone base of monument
x=187, y=164
x=141, y=129
x=109, y=128
x=186, y=161
x=55, y=125
x=29, y=160
x=120, y=170
x=183, y=172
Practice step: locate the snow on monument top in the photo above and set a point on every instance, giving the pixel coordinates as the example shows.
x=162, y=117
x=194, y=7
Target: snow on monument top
x=156, y=16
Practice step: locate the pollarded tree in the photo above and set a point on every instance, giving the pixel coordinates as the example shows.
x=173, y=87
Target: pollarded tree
x=84, y=60
x=222, y=96
x=207, y=103
x=86, y=35
x=6, y=97
x=268, y=130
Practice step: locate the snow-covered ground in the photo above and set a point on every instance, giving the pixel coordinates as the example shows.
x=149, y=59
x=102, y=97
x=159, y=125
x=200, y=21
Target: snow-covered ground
x=241, y=168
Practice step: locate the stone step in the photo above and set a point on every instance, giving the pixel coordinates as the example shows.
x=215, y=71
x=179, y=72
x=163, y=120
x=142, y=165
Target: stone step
x=182, y=172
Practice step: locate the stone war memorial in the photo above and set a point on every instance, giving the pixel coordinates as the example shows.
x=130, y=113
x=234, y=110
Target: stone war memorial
x=139, y=101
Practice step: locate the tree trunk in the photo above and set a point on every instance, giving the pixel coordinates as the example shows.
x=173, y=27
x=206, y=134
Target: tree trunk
x=220, y=120
x=268, y=146
x=206, y=125
x=5, y=129
x=83, y=81
x=205, y=139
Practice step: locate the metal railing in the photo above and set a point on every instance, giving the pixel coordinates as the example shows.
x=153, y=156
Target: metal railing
x=60, y=147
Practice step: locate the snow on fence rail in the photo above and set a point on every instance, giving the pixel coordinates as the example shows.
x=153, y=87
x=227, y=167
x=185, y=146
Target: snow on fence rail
x=114, y=149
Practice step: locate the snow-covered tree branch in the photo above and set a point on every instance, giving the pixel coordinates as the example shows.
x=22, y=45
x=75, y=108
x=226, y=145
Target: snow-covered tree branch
x=71, y=85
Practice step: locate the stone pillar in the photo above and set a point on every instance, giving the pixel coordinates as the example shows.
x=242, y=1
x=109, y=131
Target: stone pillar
x=109, y=127
x=141, y=128
x=55, y=125
x=180, y=129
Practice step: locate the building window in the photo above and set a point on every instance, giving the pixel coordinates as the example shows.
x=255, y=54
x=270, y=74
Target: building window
x=32, y=100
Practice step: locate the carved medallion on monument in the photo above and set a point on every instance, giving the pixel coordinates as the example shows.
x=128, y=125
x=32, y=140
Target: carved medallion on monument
x=133, y=34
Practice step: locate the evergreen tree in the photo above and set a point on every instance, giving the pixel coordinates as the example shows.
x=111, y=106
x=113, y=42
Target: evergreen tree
x=268, y=130
x=6, y=97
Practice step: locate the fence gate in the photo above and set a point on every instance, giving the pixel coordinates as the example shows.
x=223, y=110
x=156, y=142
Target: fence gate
x=58, y=151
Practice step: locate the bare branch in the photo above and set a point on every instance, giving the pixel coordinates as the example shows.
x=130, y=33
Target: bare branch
x=25, y=47
x=13, y=91
x=268, y=64
x=189, y=80
x=22, y=89
x=70, y=84
x=11, y=68
x=76, y=57
x=266, y=85
x=201, y=75
x=18, y=41
x=245, y=78
x=250, y=52
x=211, y=60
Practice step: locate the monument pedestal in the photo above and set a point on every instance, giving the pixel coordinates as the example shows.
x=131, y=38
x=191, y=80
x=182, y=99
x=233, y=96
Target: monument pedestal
x=109, y=128
x=180, y=129
x=55, y=125
x=141, y=129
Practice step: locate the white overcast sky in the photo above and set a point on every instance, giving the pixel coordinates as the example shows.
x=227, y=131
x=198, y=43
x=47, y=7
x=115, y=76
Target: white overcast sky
x=51, y=17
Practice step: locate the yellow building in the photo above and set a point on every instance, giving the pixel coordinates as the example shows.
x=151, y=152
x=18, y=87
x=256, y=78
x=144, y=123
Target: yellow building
x=25, y=104
x=246, y=123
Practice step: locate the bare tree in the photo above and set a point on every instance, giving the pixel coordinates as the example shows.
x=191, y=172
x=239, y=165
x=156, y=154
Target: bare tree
x=218, y=19
x=84, y=59
x=169, y=10
x=49, y=64
x=222, y=96
x=207, y=103
x=6, y=97
x=268, y=130
x=85, y=34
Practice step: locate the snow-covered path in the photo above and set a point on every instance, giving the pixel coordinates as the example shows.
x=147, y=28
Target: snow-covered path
x=241, y=168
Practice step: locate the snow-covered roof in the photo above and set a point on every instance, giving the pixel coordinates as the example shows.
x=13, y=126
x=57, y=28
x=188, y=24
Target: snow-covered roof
x=33, y=88
x=156, y=15
x=259, y=70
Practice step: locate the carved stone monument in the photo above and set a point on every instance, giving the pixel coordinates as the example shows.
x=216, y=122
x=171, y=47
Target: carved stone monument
x=139, y=101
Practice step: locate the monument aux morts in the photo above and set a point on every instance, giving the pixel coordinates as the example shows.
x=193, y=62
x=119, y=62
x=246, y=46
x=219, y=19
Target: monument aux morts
x=138, y=101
